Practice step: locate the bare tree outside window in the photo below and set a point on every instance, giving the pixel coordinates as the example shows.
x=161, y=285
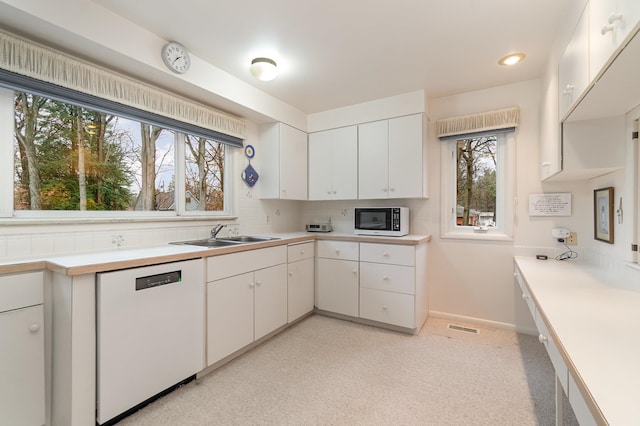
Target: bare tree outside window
x=476, y=181
x=68, y=157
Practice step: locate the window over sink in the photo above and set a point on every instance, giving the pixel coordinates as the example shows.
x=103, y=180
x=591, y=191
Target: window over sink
x=75, y=161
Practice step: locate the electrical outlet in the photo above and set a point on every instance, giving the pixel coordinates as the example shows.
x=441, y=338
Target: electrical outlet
x=572, y=239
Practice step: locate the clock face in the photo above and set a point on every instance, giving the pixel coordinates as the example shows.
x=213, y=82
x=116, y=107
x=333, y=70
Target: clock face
x=176, y=57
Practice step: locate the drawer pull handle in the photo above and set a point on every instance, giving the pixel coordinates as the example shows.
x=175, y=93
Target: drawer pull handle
x=385, y=254
x=542, y=338
x=568, y=90
x=34, y=328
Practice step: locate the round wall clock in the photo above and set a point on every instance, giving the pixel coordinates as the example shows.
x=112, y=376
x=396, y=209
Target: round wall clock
x=176, y=57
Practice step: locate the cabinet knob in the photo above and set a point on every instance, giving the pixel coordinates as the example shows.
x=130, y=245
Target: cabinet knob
x=355, y=271
x=34, y=328
x=613, y=17
x=301, y=251
x=337, y=251
x=384, y=307
x=385, y=254
x=392, y=189
x=290, y=274
x=546, y=164
x=258, y=283
x=542, y=338
x=385, y=278
x=333, y=192
x=384, y=189
x=524, y=296
x=606, y=28
x=568, y=89
x=251, y=284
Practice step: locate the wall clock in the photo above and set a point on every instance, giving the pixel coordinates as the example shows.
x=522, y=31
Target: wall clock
x=176, y=57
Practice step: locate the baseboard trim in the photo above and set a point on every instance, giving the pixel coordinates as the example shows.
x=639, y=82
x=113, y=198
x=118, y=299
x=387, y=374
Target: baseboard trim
x=484, y=322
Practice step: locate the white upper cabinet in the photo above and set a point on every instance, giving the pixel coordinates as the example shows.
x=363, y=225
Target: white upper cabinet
x=391, y=159
x=610, y=21
x=333, y=164
x=283, y=162
x=573, y=71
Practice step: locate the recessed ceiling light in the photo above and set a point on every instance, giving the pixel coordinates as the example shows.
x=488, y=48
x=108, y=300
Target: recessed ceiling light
x=264, y=69
x=511, y=59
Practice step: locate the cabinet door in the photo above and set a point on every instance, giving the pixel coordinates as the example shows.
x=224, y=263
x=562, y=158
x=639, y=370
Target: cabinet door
x=573, y=70
x=406, y=157
x=293, y=163
x=300, y=286
x=344, y=173
x=338, y=286
x=22, y=367
x=320, y=146
x=373, y=160
x=229, y=316
x=610, y=21
x=270, y=300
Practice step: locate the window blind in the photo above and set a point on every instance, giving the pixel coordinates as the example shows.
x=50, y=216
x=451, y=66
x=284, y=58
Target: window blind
x=29, y=67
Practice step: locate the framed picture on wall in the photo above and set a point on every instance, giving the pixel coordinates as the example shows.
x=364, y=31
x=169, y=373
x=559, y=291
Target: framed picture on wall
x=603, y=214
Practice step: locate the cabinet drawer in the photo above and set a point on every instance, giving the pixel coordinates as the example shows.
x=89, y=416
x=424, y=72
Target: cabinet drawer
x=388, y=253
x=338, y=250
x=552, y=350
x=525, y=294
x=396, y=278
x=21, y=290
x=300, y=251
x=228, y=265
x=387, y=307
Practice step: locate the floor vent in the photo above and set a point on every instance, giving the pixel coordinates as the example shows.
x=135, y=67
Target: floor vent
x=465, y=329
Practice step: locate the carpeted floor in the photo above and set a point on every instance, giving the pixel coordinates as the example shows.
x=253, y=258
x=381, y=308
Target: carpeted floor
x=325, y=371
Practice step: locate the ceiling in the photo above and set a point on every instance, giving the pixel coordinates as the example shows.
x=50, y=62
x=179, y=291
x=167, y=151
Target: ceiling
x=333, y=53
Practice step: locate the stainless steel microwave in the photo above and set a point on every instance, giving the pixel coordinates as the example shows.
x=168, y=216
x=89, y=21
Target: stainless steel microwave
x=389, y=221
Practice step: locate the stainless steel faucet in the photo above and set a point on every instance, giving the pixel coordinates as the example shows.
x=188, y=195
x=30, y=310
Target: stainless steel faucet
x=215, y=230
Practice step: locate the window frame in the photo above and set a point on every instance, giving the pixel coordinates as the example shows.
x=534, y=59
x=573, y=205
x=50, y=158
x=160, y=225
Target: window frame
x=505, y=184
x=7, y=182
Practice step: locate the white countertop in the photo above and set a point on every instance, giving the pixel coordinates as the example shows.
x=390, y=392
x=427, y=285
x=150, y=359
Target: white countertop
x=597, y=323
x=84, y=263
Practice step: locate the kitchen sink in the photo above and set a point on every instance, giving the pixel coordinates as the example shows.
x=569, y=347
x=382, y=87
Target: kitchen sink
x=225, y=242
x=210, y=243
x=248, y=239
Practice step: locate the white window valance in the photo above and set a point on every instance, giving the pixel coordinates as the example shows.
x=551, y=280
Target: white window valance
x=27, y=58
x=464, y=125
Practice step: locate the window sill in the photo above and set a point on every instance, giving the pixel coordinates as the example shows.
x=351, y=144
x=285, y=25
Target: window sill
x=107, y=220
x=477, y=236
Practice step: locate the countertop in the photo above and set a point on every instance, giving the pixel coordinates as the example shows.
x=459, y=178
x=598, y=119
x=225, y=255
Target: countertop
x=596, y=320
x=87, y=263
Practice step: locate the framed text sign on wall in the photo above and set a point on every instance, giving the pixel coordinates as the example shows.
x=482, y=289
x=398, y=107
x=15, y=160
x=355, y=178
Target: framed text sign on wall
x=558, y=204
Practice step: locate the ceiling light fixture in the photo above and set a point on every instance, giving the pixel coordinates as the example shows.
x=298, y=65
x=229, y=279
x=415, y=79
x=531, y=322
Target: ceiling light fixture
x=511, y=59
x=264, y=69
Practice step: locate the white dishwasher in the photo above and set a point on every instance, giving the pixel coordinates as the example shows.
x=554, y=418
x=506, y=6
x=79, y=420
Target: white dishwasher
x=150, y=334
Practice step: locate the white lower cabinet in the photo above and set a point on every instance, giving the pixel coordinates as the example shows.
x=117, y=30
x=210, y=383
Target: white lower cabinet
x=300, y=279
x=337, y=284
x=373, y=281
x=392, y=284
x=244, y=307
x=22, y=383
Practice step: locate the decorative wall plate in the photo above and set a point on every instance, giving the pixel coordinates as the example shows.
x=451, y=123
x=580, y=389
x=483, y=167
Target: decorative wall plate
x=249, y=151
x=250, y=176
